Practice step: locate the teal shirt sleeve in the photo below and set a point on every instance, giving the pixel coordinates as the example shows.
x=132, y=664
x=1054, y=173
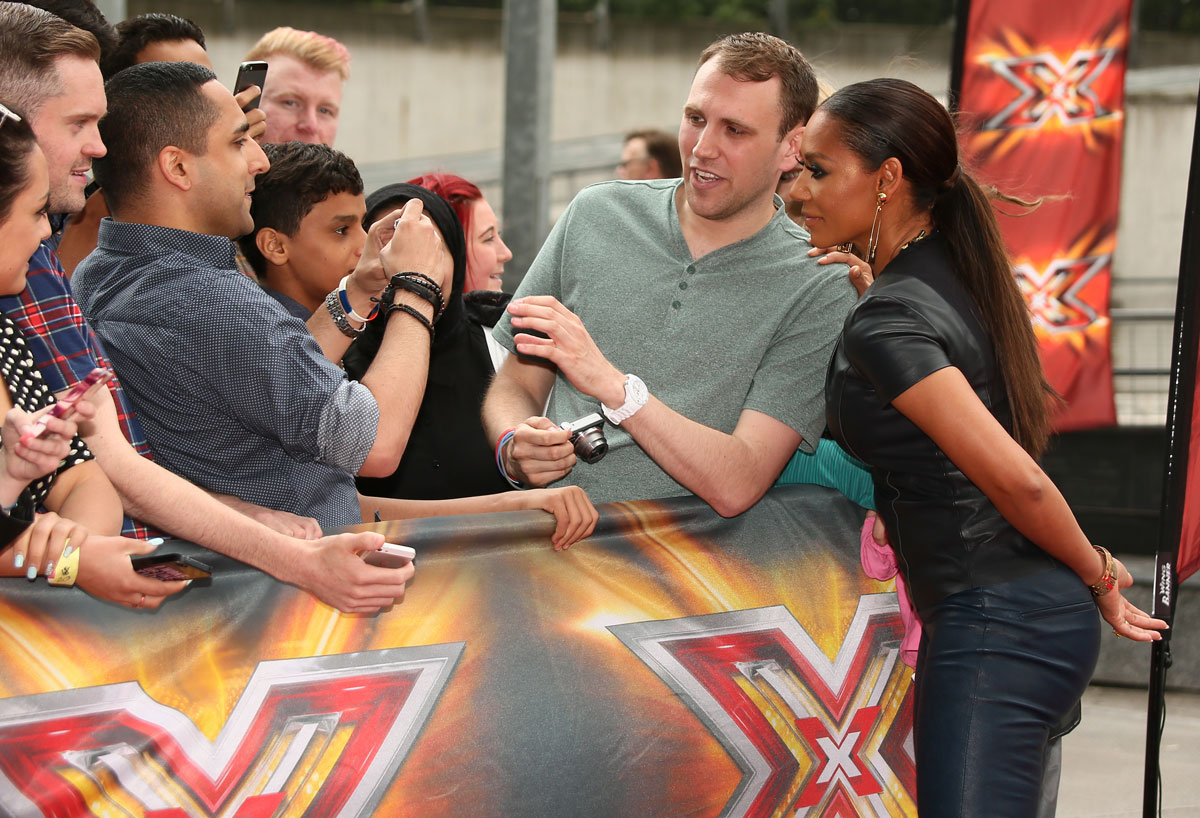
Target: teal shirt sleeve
x=831, y=467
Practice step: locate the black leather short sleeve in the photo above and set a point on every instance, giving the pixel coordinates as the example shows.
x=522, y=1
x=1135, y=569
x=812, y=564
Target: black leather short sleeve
x=892, y=346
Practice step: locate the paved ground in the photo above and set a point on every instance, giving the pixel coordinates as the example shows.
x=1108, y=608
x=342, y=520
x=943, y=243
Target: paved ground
x=1103, y=759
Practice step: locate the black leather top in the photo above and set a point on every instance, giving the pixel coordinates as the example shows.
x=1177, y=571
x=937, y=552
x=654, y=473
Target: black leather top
x=915, y=320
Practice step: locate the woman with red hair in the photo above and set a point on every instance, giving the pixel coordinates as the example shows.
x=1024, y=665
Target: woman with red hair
x=486, y=251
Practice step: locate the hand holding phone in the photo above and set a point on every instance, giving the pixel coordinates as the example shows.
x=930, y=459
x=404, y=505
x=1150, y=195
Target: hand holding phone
x=250, y=73
x=391, y=555
x=65, y=408
x=170, y=567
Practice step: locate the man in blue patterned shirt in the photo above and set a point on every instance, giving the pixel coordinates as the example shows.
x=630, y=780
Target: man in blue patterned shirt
x=50, y=71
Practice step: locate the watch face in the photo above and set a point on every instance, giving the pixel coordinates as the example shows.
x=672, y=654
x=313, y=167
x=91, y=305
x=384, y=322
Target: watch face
x=635, y=391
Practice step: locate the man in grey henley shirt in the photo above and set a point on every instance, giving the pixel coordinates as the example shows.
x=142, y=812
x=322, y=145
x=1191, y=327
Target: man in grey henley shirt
x=700, y=288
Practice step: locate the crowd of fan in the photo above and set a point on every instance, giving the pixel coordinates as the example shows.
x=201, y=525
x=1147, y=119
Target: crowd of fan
x=230, y=421
x=290, y=356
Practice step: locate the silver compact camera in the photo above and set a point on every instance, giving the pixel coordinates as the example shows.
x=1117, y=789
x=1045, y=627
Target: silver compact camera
x=587, y=436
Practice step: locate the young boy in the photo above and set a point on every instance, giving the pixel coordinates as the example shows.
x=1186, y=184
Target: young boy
x=308, y=211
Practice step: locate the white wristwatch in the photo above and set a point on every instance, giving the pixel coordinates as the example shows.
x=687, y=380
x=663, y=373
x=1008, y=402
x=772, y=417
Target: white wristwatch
x=636, y=396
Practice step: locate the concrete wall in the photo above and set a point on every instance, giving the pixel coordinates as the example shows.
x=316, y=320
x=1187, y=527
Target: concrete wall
x=412, y=106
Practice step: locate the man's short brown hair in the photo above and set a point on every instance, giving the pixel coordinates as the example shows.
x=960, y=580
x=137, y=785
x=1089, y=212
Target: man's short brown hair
x=663, y=148
x=32, y=41
x=756, y=57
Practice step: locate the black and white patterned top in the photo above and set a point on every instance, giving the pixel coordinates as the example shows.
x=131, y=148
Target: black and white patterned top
x=30, y=393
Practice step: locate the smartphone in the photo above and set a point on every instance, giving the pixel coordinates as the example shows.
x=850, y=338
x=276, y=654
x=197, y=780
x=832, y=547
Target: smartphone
x=170, y=567
x=250, y=73
x=65, y=408
x=391, y=555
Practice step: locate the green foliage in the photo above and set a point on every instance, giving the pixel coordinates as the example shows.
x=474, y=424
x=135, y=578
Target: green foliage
x=1170, y=15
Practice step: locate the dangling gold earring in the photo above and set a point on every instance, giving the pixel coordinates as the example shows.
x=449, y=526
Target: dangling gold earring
x=873, y=241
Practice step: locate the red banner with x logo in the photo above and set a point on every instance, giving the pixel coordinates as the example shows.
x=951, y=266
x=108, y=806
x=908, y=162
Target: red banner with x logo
x=1042, y=103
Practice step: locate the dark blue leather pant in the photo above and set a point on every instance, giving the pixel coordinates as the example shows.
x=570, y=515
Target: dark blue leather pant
x=999, y=667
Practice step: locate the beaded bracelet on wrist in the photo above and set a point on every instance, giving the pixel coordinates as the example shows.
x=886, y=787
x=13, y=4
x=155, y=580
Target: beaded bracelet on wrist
x=1107, y=580
x=404, y=308
x=422, y=286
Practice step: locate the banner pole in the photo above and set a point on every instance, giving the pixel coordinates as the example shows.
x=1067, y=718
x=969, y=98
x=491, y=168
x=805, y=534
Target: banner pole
x=1180, y=408
x=958, y=52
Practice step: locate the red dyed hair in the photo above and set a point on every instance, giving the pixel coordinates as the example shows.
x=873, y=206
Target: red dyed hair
x=455, y=190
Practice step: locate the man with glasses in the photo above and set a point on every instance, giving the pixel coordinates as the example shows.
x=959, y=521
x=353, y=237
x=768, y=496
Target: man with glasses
x=650, y=154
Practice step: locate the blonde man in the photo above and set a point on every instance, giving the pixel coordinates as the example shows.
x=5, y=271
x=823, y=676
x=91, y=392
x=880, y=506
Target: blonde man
x=303, y=93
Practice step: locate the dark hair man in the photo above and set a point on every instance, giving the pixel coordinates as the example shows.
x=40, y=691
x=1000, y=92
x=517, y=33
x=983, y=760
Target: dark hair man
x=699, y=286
x=308, y=211
x=155, y=38
x=650, y=154
x=235, y=393
x=51, y=68
x=84, y=15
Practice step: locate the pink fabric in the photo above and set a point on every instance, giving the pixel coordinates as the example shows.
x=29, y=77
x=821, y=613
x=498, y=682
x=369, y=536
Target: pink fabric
x=879, y=562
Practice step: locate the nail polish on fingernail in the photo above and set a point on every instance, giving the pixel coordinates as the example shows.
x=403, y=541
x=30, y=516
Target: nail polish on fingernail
x=186, y=583
x=49, y=569
x=66, y=552
x=18, y=560
x=31, y=573
x=155, y=541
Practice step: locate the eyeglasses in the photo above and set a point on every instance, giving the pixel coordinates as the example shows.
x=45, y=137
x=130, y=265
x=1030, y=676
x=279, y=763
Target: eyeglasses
x=625, y=163
x=6, y=114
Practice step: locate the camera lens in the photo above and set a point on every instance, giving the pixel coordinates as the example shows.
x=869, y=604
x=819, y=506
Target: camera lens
x=590, y=446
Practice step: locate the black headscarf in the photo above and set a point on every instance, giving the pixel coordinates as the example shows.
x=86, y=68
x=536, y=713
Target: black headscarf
x=391, y=197
x=448, y=454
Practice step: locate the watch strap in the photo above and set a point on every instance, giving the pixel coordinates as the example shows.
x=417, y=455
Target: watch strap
x=636, y=397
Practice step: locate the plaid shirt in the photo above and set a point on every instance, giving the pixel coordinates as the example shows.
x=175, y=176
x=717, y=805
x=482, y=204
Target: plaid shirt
x=65, y=349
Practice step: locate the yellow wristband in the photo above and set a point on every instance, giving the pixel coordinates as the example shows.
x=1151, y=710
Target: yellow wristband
x=67, y=569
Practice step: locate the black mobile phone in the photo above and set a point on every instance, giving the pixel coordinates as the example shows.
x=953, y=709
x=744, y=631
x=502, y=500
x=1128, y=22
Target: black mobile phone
x=251, y=73
x=170, y=567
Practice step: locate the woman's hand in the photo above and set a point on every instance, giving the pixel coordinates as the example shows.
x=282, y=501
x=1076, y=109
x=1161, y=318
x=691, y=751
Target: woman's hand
x=42, y=544
x=22, y=463
x=105, y=572
x=879, y=530
x=573, y=512
x=1127, y=619
x=861, y=274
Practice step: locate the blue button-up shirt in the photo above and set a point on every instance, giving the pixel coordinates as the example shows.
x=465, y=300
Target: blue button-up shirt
x=233, y=393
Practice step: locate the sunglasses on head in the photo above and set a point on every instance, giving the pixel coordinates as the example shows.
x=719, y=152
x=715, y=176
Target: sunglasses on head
x=6, y=114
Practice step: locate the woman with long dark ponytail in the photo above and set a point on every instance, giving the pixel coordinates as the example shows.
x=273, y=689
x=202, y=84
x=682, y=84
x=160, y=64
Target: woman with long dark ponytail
x=936, y=384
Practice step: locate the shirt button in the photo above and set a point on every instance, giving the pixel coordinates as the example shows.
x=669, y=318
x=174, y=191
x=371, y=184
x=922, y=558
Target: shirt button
x=683, y=285
x=691, y=268
x=676, y=304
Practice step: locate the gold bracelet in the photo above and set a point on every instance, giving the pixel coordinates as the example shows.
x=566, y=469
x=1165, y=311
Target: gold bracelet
x=66, y=570
x=1107, y=581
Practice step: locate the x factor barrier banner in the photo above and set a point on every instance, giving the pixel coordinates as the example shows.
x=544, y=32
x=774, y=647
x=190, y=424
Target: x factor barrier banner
x=1040, y=88
x=674, y=664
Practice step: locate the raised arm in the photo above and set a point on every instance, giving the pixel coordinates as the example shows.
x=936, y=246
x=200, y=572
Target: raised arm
x=397, y=375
